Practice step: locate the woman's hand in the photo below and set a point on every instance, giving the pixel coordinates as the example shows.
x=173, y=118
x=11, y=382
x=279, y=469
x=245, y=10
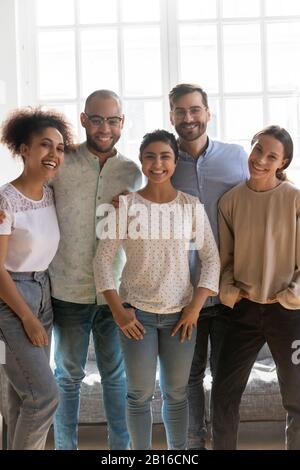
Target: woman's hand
x=2, y=216
x=187, y=322
x=272, y=300
x=35, y=331
x=242, y=295
x=129, y=324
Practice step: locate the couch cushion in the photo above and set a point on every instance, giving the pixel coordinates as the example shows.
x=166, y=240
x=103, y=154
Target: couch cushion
x=3, y=393
x=261, y=400
x=264, y=353
x=91, y=403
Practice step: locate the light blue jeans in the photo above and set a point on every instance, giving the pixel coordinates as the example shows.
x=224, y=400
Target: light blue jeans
x=175, y=361
x=73, y=324
x=32, y=391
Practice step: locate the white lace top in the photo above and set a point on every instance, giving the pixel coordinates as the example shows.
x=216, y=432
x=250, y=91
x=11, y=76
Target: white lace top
x=33, y=229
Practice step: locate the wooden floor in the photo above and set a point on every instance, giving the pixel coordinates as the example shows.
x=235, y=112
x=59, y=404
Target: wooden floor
x=252, y=436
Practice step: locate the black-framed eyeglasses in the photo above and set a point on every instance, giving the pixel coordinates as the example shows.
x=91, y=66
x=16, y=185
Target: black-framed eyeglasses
x=97, y=121
x=194, y=111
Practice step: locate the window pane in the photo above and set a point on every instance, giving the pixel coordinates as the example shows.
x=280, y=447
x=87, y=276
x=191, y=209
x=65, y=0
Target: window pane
x=285, y=112
x=213, y=127
x=142, y=61
x=56, y=12
x=140, y=117
x=99, y=60
x=283, y=52
x=244, y=143
x=198, y=56
x=282, y=8
x=71, y=113
x=235, y=8
x=293, y=172
x=242, y=58
x=140, y=10
x=97, y=11
x=10, y=168
x=243, y=118
x=196, y=9
x=56, y=56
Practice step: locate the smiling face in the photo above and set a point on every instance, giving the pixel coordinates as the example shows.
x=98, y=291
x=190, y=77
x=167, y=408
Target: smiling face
x=266, y=157
x=158, y=162
x=44, y=154
x=102, y=137
x=190, y=116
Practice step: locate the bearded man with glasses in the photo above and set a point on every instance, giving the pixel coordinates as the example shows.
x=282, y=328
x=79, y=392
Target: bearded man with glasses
x=206, y=169
x=92, y=175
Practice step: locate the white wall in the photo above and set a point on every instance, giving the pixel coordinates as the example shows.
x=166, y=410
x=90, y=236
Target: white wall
x=8, y=80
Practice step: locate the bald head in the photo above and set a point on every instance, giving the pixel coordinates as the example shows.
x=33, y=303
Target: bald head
x=105, y=94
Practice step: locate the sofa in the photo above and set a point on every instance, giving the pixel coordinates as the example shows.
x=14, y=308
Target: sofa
x=261, y=400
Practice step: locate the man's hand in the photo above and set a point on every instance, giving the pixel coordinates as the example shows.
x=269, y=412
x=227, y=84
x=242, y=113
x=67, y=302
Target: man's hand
x=115, y=199
x=187, y=322
x=2, y=216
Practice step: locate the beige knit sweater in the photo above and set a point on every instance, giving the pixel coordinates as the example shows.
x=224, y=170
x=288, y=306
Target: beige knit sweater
x=260, y=244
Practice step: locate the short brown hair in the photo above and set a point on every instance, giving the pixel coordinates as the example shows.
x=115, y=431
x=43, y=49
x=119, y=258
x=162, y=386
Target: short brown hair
x=183, y=89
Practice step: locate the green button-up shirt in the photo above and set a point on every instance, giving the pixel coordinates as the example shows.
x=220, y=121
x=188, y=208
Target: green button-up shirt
x=79, y=188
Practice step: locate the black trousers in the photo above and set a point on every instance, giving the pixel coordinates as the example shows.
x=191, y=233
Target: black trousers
x=211, y=327
x=251, y=326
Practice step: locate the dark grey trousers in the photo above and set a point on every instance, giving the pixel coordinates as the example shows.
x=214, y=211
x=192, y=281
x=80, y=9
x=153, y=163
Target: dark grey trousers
x=211, y=327
x=251, y=326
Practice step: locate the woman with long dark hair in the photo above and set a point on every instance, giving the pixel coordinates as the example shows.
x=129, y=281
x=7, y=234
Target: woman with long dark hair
x=260, y=280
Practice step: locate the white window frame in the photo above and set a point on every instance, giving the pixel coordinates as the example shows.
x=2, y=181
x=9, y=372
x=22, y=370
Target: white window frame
x=28, y=64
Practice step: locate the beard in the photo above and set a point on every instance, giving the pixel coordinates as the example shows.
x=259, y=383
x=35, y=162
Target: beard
x=101, y=148
x=190, y=135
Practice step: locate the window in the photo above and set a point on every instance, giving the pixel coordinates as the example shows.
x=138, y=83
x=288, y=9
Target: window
x=245, y=54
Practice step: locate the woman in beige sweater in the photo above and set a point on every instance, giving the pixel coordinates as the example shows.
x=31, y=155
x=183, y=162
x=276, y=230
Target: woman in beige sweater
x=260, y=280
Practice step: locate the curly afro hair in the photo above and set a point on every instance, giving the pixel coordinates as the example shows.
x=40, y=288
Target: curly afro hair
x=22, y=123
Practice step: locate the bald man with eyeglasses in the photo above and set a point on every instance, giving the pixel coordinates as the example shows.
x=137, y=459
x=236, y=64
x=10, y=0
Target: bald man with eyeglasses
x=92, y=175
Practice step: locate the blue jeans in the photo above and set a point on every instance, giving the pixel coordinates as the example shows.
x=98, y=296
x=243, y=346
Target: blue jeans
x=73, y=324
x=212, y=325
x=251, y=326
x=175, y=360
x=32, y=391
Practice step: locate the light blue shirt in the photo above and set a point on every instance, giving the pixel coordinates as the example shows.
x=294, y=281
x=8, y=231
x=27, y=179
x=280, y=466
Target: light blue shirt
x=220, y=167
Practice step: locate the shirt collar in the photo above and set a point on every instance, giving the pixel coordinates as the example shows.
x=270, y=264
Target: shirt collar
x=84, y=149
x=187, y=157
